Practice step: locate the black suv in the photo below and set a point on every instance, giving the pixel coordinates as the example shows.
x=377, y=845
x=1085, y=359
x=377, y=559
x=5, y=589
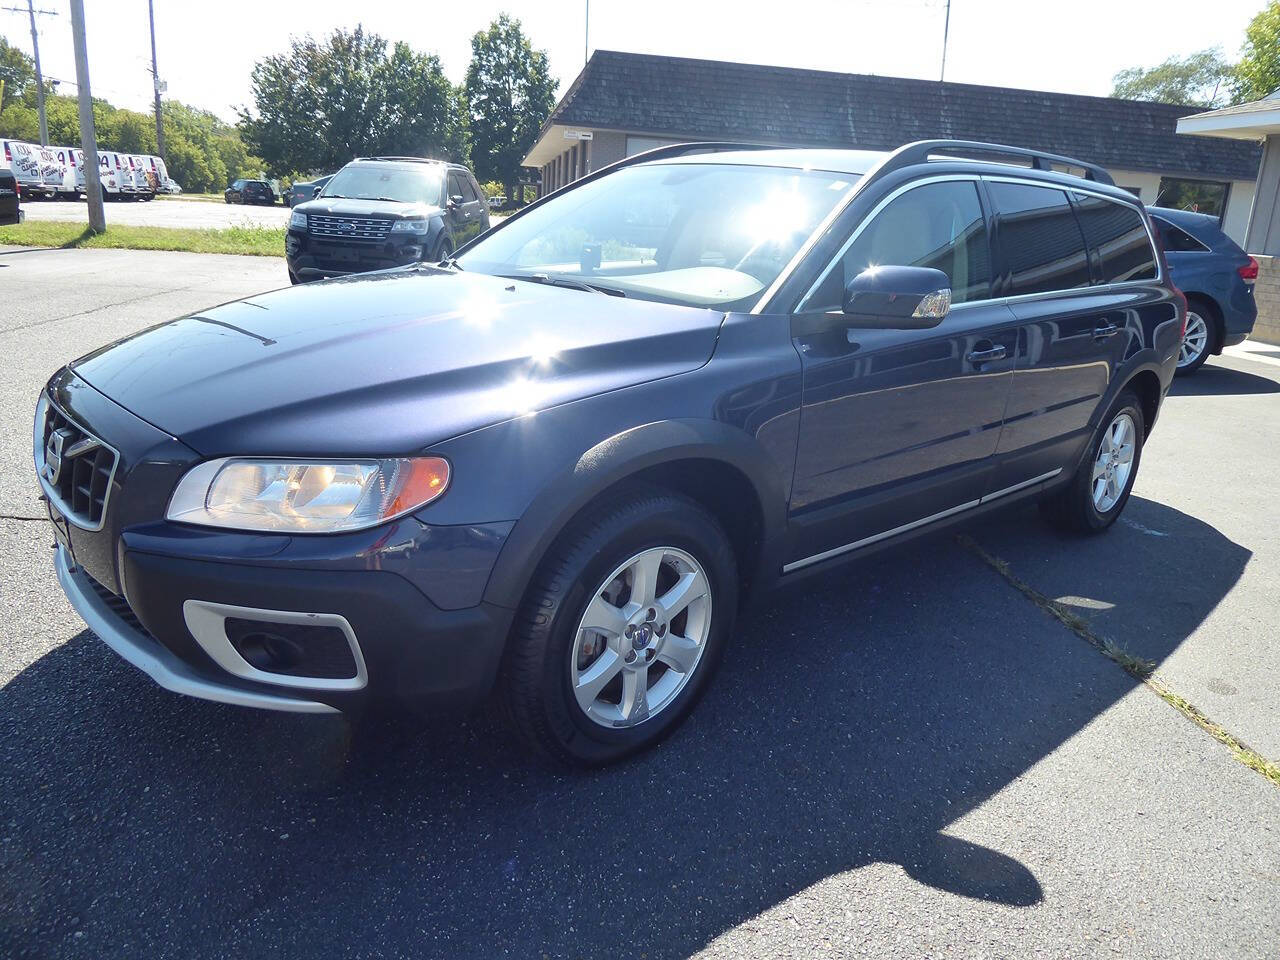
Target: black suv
x=250, y=191
x=379, y=212
x=554, y=466
x=10, y=198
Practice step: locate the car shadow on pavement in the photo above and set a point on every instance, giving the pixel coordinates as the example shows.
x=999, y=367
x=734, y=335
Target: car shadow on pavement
x=1215, y=381
x=856, y=719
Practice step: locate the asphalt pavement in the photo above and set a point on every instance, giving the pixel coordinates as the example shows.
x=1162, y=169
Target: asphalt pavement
x=162, y=213
x=907, y=757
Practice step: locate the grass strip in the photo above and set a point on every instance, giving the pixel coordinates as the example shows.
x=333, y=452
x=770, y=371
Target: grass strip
x=247, y=239
x=1138, y=668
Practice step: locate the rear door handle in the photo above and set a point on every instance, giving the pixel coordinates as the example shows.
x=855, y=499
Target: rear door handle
x=986, y=356
x=1104, y=330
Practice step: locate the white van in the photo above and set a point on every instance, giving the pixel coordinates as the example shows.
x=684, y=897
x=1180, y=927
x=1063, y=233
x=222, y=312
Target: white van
x=24, y=159
x=164, y=182
x=106, y=176
x=118, y=165
x=143, y=178
x=52, y=172
x=72, y=184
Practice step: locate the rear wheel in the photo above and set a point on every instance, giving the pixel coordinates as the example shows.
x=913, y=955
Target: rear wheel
x=622, y=629
x=1100, y=489
x=1200, y=340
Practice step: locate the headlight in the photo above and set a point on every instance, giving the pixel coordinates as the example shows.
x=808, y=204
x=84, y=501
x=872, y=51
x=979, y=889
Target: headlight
x=292, y=496
x=298, y=219
x=409, y=226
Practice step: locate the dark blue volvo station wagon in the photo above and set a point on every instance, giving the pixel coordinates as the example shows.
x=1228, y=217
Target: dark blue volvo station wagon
x=551, y=467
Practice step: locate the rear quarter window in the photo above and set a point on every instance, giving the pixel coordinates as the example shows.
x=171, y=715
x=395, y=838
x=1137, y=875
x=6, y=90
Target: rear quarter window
x=1117, y=238
x=1176, y=240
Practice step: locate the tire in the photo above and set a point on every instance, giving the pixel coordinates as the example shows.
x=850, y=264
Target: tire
x=1202, y=334
x=548, y=653
x=445, y=251
x=1078, y=507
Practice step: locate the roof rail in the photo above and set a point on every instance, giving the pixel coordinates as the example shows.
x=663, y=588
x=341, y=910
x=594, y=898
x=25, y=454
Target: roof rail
x=922, y=150
x=414, y=159
x=686, y=149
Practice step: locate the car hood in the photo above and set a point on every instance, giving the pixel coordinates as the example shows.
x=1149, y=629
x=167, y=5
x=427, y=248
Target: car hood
x=390, y=362
x=342, y=206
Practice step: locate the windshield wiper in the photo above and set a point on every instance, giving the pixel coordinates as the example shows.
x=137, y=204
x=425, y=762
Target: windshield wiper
x=567, y=282
x=451, y=262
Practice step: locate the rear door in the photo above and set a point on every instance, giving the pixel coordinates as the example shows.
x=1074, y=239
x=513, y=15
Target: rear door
x=899, y=427
x=1076, y=303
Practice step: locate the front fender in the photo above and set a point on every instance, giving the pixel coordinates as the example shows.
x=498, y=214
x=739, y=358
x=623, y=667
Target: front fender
x=611, y=462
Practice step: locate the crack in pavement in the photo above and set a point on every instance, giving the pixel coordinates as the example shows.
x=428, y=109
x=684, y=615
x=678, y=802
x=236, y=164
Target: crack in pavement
x=1141, y=670
x=103, y=306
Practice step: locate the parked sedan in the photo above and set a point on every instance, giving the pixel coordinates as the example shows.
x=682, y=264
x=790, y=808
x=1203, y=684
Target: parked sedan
x=1217, y=277
x=551, y=467
x=302, y=192
x=250, y=191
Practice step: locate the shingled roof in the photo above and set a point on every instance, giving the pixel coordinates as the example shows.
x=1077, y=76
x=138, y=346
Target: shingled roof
x=712, y=99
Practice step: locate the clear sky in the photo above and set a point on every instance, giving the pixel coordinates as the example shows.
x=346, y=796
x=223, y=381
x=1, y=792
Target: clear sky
x=207, y=50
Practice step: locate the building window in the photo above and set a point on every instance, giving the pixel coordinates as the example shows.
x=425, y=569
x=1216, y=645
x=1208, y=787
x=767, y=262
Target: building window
x=1199, y=196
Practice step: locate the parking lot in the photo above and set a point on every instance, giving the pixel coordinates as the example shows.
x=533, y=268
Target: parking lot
x=185, y=214
x=907, y=757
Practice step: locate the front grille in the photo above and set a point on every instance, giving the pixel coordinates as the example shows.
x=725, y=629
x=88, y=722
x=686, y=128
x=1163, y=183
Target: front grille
x=76, y=469
x=361, y=229
x=120, y=607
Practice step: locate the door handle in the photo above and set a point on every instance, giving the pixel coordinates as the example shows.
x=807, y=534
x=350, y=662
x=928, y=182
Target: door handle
x=1104, y=330
x=986, y=356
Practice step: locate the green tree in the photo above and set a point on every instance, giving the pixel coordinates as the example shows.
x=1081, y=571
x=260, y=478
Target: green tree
x=1197, y=80
x=1257, y=75
x=324, y=102
x=17, y=73
x=509, y=93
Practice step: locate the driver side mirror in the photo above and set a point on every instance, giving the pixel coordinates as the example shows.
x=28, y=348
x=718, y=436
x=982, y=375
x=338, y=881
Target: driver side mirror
x=316, y=192
x=456, y=201
x=897, y=298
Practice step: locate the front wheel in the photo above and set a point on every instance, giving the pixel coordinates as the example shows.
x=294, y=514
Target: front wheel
x=622, y=629
x=1098, y=492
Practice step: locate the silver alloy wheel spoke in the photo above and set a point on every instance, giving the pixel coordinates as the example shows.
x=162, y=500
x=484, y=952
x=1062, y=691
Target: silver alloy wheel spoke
x=1114, y=462
x=641, y=637
x=1194, y=340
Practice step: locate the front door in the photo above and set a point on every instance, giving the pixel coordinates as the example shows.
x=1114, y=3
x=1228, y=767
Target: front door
x=899, y=427
x=464, y=209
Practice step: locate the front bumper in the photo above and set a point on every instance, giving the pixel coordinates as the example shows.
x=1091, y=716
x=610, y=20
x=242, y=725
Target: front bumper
x=310, y=258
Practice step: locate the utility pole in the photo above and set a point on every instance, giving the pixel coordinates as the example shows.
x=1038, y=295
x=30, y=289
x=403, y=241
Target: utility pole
x=88, y=138
x=155, y=78
x=586, y=33
x=946, y=28
x=32, y=12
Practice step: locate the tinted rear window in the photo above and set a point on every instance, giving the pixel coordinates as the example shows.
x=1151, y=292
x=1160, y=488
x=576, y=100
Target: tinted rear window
x=1117, y=239
x=1040, y=238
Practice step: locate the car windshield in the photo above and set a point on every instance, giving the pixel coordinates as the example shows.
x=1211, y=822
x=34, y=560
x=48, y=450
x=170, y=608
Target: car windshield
x=381, y=181
x=699, y=234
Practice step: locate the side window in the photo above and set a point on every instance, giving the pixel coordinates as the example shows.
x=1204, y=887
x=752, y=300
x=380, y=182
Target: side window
x=1117, y=238
x=455, y=186
x=1175, y=239
x=1040, y=238
x=468, y=190
x=938, y=225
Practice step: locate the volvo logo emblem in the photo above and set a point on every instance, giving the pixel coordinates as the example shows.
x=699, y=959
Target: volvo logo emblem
x=57, y=451
x=53, y=455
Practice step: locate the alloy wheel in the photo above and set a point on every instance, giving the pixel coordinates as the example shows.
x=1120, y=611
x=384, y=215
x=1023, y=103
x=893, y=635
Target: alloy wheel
x=1114, y=462
x=641, y=637
x=1194, y=341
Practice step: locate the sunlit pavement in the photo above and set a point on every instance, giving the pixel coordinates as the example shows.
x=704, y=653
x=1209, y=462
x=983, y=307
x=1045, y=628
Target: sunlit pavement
x=162, y=213
x=905, y=757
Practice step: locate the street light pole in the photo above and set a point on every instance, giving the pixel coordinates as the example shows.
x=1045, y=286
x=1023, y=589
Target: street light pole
x=155, y=79
x=88, y=138
x=946, y=28
x=35, y=49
